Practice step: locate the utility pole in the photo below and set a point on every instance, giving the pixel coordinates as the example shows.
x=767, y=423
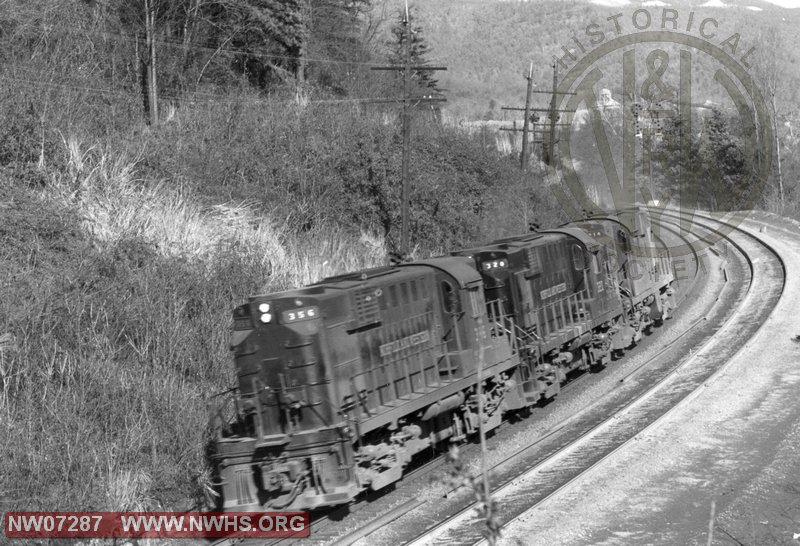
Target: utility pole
x=406, y=194
x=552, y=139
x=524, y=156
x=547, y=152
x=407, y=68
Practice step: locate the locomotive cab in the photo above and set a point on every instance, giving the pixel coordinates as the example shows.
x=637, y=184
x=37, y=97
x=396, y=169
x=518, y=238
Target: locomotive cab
x=288, y=445
x=494, y=267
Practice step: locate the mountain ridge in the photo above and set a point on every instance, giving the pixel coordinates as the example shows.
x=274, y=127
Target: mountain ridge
x=489, y=47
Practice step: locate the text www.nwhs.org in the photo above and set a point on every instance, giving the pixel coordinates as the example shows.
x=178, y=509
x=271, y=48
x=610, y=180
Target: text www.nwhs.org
x=156, y=524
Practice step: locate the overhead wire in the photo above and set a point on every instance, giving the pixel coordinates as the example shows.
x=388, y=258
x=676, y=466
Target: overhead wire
x=216, y=50
x=217, y=99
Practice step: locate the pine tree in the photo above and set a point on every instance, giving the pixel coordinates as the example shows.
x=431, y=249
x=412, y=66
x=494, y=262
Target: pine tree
x=715, y=166
x=419, y=51
x=269, y=27
x=335, y=34
x=723, y=163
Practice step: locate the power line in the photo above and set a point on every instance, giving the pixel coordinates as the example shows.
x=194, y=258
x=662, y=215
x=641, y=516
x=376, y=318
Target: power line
x=43, y=78
x=133, y=38
x=94, y=90
x=222, y=99
x=554, y=113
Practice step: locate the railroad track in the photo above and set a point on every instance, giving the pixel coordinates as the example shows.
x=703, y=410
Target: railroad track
x=368, y=515
x=551, y=464
x=443, y=524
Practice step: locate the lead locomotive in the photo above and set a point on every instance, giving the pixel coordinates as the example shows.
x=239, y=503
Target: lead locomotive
x=342, y=382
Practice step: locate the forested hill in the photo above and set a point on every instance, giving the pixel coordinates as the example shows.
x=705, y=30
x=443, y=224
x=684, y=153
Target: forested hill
x=487, y=46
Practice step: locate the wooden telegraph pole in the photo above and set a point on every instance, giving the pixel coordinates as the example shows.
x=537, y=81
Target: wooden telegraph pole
x=552, y=139
x=408, y=69
x=528, y=94
x=528, y=110
x=406, y=195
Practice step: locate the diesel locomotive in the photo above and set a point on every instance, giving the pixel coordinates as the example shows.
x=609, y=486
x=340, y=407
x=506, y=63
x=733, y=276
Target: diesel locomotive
x=342, y=382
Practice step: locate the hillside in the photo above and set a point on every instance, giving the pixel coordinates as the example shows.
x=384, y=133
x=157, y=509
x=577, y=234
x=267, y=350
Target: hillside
x=488, y=46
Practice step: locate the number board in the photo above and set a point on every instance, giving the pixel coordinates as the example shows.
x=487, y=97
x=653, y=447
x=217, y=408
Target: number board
x=303, y=313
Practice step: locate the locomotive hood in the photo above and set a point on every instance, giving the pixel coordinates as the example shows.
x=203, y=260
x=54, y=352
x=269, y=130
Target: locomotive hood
x=461, y=268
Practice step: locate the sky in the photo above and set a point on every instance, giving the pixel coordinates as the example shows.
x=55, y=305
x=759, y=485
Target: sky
x=709, y=3
x=785, y=3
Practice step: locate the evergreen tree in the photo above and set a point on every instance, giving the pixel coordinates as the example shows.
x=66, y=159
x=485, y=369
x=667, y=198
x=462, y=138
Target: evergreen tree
x=715, y=168
x=272, y=33
x=419, y=51
x=335, y=35
x=723, y=164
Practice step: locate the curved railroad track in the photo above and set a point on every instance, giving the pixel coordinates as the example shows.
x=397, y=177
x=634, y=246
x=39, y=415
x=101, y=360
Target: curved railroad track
x=368, y=514
x=534, y=472
x=618, y=420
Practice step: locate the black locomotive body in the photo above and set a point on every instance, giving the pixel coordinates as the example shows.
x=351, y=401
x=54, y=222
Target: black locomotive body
x=342, y=382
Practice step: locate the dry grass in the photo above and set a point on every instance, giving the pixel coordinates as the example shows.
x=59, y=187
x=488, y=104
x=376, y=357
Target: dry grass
x=115, y=206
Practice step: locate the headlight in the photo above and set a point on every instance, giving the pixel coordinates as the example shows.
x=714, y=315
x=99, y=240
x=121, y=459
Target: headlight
x=264, y=308
x=266, y=317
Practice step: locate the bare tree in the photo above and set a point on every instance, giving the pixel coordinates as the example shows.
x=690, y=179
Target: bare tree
x=772, y=65
x=150, y=12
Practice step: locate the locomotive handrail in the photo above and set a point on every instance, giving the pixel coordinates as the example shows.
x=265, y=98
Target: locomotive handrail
x=533, y=336
x=515, y=332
